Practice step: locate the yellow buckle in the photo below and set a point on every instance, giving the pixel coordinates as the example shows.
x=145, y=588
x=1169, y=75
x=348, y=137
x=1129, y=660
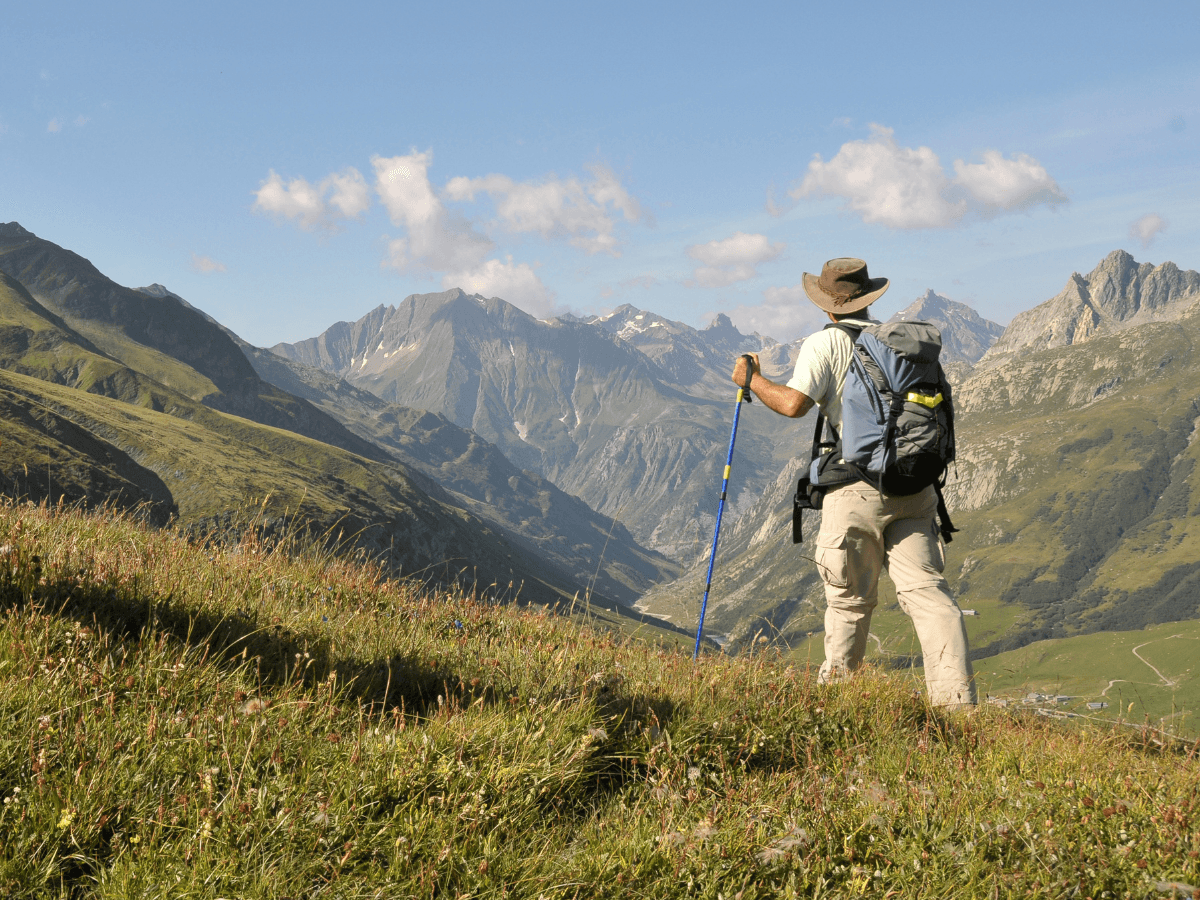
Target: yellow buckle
x=924, y=399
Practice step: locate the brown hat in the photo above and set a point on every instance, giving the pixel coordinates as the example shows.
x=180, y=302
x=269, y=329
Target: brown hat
x=844, y=286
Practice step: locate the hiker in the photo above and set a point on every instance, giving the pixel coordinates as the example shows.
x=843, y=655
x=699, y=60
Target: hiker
x=864, y=530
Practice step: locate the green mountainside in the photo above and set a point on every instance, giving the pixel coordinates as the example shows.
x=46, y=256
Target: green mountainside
x=100, y=411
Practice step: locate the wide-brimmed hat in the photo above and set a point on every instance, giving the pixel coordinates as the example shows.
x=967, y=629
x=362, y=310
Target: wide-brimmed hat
x=844, y=286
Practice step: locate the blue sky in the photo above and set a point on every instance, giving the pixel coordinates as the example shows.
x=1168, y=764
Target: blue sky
x=284, y=167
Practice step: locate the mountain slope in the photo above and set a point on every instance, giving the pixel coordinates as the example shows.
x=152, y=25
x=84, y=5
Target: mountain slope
x=597, y=551
x=1074, y=489
x=86, y=420
x=158, y=337
x=566, y=399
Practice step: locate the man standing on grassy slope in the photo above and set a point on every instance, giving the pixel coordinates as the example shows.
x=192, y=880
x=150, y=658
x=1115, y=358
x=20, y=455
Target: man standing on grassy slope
x=862, y=529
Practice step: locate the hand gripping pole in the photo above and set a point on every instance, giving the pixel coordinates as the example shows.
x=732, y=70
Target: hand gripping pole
x=743, y=395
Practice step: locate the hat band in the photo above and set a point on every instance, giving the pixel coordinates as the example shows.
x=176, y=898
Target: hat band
x=845, y=296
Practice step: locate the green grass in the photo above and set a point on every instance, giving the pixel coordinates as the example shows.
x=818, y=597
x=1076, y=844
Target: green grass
x=1103, y=667
x=254, y=720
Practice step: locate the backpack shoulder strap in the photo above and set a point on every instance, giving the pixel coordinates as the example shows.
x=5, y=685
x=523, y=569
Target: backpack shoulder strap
x=848, y=327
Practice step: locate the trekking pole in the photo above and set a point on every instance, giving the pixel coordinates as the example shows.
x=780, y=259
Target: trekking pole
x=743, y=395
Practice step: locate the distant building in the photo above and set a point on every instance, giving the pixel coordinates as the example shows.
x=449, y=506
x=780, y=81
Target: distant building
x=1098, y=705
x=969, y=612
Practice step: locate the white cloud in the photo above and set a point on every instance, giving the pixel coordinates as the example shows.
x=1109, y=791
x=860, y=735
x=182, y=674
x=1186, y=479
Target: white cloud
x=436, y=238
x=734, y=259
x=517, y=283
x=350, y=195
x=785, y=314
x=1147, y=228
x=903, y=187
x=82, y=120
x=582, y=212
x=307, y=204
x=1000, y=184
x=54, y=125
x=206, y=264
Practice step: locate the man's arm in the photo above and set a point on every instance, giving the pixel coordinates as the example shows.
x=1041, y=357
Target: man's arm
x=782, y=399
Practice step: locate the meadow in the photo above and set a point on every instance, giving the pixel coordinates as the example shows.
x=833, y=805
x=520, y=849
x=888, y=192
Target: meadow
x=250, y=718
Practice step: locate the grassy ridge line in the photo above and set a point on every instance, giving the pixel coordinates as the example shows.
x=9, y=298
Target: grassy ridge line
x=216, y=462
x=254, y=721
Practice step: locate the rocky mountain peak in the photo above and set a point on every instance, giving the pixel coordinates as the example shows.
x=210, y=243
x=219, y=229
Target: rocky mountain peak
x=1117, y=294
x=720, y=322
x=966, y=335
x=160, y=291
x=14, y=230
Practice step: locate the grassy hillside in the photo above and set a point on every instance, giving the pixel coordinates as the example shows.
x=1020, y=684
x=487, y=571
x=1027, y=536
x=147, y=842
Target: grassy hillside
x=255, y=721
x=207, y=468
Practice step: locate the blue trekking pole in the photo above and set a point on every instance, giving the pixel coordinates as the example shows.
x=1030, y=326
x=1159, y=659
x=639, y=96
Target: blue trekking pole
x=743, y=395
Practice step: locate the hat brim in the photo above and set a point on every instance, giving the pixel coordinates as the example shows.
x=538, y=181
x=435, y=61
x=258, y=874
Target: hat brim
x=829, y=303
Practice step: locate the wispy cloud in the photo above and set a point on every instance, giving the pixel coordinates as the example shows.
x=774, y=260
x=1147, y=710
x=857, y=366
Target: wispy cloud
x=580, y=211
x=436, y=238
x=343, y=195
x=785, y=313
x=736, y=258
x=206, y=264
x=1147, y=228
x=442, y=234
x=517, y=283
x=905, y=187
x=54, y=125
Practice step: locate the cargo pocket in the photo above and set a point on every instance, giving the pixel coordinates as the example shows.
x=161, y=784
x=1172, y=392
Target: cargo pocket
x=832, y=559
x=937, y=549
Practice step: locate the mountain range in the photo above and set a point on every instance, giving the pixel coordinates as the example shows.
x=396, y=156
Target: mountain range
x=455, y=435
x=136, y=399
x=636, y=435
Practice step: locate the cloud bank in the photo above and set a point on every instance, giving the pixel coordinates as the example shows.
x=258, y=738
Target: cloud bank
x=556, y=208
x=441, y=236
x=907, y=188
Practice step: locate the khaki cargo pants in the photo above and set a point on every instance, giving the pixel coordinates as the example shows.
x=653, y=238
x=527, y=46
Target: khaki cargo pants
x=863, y=531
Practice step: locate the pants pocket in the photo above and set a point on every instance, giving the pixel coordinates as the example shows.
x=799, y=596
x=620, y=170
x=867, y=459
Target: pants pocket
x=937, y=549
x=833, y=560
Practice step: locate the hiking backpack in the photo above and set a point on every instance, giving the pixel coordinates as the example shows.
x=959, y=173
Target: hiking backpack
x=897, y=419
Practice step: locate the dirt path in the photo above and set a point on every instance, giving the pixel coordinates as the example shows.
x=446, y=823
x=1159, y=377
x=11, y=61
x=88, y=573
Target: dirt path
x=1167, y=682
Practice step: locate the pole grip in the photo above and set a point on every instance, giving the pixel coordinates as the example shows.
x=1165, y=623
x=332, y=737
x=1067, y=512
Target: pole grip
x=746, y=395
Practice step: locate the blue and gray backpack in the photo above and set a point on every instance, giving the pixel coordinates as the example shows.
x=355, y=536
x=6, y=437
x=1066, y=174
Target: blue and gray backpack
x=897, y=419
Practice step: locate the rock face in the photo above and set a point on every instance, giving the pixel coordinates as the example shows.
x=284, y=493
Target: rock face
x=527, y=509
x=966, y=335
x=631, y=412
x=1118, y=294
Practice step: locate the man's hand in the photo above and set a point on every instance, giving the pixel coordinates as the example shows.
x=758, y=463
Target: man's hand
x=739, y=368
x=784, y=400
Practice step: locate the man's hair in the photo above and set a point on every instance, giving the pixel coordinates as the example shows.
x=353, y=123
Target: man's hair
x=864, y=313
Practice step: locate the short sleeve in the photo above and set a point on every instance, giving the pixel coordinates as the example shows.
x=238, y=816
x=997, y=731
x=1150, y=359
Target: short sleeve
x=813, y=375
